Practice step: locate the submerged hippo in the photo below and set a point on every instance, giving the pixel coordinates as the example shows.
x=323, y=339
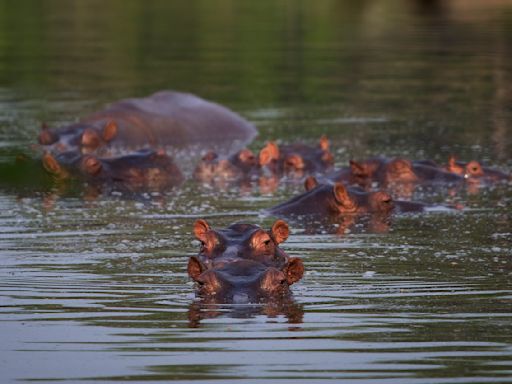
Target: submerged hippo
x=473, y=171
x=164, y=119
x=144, y=169
x=328, y=201
x=243, y=262
x=212, y=167
x=399, y=176
x=297, y=160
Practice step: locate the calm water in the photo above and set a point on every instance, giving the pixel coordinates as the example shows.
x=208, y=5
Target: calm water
x=95, y=289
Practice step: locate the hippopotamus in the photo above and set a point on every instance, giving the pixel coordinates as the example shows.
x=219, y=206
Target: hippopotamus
x=473, y=171
x=144, y=169
x=241, y=165
x=163, y=119
x=330, y=201
x=243, y=262
x=298, y=159
x=400, y=175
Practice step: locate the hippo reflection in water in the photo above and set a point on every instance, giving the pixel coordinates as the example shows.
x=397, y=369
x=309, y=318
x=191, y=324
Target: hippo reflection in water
x=243, y=263
x=164, y=119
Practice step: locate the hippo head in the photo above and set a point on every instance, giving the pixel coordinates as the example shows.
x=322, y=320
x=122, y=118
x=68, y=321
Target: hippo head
x=83, y=136
x=243, y=260
x=212, y=167
x=142, y=169
x=296, y=160
x=342, y=200
x=473, y=171
x=399, y=171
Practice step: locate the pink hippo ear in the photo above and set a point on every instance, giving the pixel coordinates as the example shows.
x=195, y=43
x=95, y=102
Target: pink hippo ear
x=454, y=167
x=294, y=270
x=46, y=137
x=473, y=168
x=201, y=227
x=280, y=231
x=324, y=143
x=90, y=139
x=110, y=131
x=268, y=153
x=310, y=183
x=51, y=164
x=195, y=268
x=340, y=193
x=343, y=197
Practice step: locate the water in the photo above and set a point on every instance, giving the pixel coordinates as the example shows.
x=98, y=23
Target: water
x=94, y=288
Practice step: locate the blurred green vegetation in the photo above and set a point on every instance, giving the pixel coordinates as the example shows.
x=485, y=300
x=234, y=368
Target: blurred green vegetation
x=438, y=71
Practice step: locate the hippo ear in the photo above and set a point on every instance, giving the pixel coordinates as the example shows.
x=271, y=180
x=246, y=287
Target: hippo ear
x=341, y=194
x=110, y=131
x=51, y=164
x=46, y=137
x=310, y=183
x=91, y=165
x=200, y=229
x=268, y=153
x=246, y=156
x=294, y=270
x=195, y=268
x=454, y=167
x=324, y=143
x=473, y=168
x=90, y=139
x=358, y=169
x=280, y=231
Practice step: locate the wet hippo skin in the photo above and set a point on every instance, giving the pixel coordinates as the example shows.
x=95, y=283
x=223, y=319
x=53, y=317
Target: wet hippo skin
x=144, y=169
x=326, y=201
x=165, y=118
x=243, y=260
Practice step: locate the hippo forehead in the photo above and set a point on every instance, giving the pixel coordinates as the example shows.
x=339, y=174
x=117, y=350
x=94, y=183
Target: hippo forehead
x=239, y=233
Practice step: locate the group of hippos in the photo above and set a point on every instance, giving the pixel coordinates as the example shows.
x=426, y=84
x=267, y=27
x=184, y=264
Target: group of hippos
x=129, y=144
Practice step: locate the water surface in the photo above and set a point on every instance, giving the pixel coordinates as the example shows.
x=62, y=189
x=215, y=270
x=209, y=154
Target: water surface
x=95, y=288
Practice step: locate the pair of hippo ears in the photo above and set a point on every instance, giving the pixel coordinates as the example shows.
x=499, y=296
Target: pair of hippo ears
x=90, y=137
x=279, y=232
x=93, y=139
x=472, y=168
x=271, y=152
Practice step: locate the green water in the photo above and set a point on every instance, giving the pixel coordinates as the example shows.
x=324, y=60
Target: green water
x=96, y=289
